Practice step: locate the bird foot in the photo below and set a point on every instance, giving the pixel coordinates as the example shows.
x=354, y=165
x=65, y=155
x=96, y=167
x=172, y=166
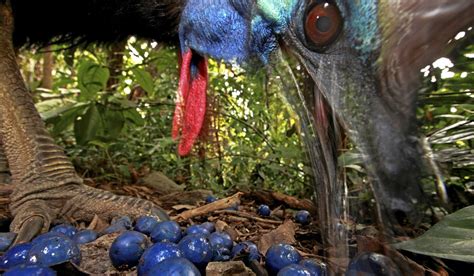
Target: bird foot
x=77, y=203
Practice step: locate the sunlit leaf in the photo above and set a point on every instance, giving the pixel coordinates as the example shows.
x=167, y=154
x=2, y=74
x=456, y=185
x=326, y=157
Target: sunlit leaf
x=92, y=78
x=144, y=79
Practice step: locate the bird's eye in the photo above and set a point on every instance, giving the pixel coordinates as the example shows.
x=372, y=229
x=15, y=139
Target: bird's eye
x=323, y=23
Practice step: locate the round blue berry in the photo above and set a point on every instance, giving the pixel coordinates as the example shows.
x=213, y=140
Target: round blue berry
x=6, y=239
x=211, y=227
x=85, y=236
x=263, y=210
x=66, y=229
x=156, y=254
x=145, y=224
x=370, y=263
x=303, y=217
x=197, y=229
x=197, y=249
x=119, y=224
x=295, y=270
x=54, y=250
x=166, y=231
x=280, y=255
x=175, y=267
x=221, y=254
x=317, y=268
x=48, y=235
x=221, y=239
x=15, y=256
x=210, y=199
x=126, y=250
x=248, y=250
x=30, y=270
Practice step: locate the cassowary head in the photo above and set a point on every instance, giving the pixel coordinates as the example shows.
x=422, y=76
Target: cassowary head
x=364, y=56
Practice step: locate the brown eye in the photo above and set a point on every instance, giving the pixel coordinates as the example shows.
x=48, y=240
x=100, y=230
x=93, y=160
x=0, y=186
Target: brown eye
x=323, y=24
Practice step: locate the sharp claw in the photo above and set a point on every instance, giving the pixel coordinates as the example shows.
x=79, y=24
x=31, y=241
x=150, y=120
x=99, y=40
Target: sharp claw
x=29, y=229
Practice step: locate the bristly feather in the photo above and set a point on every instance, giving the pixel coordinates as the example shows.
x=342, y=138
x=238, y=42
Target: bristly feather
x=94, y=21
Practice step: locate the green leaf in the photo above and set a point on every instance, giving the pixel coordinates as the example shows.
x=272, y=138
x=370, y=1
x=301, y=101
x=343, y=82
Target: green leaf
x=452, y=238
x=92, y=78
x=144, y=79
x=114, y=121
x=63, y=118
x=87, y=127
x=132, y=115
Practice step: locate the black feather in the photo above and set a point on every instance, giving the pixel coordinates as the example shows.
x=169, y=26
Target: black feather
x=93, y=21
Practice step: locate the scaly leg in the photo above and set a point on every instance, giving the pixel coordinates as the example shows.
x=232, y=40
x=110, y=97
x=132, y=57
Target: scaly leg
x=46, y=185
x=4, y=171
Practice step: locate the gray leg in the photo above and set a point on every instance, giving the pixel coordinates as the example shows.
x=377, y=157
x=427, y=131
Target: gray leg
x=4, y=171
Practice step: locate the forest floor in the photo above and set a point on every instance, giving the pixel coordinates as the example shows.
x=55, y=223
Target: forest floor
x=243, y=223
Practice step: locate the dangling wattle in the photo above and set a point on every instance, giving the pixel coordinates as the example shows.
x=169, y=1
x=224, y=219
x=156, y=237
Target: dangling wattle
x=191, y=101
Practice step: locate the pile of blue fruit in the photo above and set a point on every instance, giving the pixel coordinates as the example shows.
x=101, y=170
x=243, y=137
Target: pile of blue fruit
x=151, y=247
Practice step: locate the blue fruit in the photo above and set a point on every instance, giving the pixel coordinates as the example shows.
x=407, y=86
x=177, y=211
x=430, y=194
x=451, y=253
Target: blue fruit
x=211, y=227
x=156, y=254
x=280, y=255
x=16, y=255
x=370, y=263
x=85, y=236
x=210, y=199
x=145, y=224
x=317, y=268
x=166, y=231
x=48, y=235
x=221, y=254
x=6, y=239
x=174, y=267
x=31, y=270
x=197, y=229
x=66, y=229
x=248, y=250
x=197, y=249
x=303, y=217
x=126, y=250
x=119, y=224
x=263, y=210
x=54, y=250
x=294, y=270
x=221, y=239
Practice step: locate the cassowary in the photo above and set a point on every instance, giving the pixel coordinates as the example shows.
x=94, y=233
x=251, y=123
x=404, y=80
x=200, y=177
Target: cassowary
x=363, y=56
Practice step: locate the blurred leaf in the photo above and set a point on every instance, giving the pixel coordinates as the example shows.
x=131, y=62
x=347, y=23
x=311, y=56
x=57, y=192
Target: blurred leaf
x=452, y=238
x=113, y=121
x=92, y=78
x=134, y=116
x=144, y=79
x=63, y=118
x=87, y=127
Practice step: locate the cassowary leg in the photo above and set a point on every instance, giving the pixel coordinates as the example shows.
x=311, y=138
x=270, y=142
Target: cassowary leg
x=4, y=171
x=46, y=185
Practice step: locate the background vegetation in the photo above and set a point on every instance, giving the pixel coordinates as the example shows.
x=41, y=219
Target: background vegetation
x=111, y=108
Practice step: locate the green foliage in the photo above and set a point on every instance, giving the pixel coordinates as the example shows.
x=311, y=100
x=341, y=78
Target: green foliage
x=113, y=121
x=452, y=238
x=113, y=130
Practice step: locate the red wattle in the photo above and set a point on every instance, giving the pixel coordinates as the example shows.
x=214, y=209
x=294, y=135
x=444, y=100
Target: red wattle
x=191, y=103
